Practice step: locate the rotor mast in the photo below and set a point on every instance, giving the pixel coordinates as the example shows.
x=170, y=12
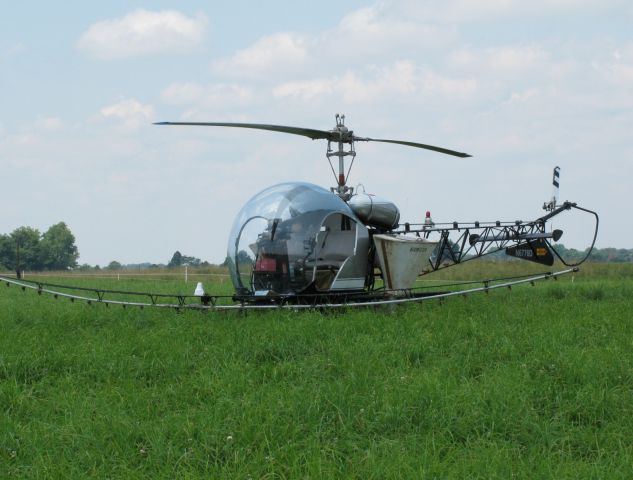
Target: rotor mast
x=344, y=136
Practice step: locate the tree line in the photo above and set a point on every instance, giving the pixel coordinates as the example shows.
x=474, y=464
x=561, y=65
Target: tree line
x=177, y=260
x=27, y=249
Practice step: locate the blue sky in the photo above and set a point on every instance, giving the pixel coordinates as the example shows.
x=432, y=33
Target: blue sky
x=522, y=86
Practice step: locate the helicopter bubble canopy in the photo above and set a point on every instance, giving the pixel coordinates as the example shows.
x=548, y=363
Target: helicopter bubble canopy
x=297, y=237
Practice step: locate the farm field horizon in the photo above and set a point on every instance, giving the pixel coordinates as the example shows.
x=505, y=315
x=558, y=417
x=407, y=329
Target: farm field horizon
x=532, y=383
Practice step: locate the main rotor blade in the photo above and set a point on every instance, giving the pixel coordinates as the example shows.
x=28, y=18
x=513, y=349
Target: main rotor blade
x=306, y=132
x=314, y=134
x=417, y=145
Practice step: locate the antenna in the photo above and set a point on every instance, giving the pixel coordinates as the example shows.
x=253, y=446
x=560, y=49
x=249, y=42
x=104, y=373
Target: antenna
x=551, y=205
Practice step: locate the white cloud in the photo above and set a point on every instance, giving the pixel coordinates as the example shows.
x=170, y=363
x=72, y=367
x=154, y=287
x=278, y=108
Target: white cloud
x=206, y=95
x=128, y=115
x=397, y=79
x=49, y=124
x=182, y=93
x=143, y=32
x=366, y=34
x=281, y=50
x=203, y=101
x=375, y=30
x=622, y=74
x=488, y=11
x=305, y=90
x=401, y=79
x=33, y=144
x=10, y=51
x=505, y=59
x=618, y=69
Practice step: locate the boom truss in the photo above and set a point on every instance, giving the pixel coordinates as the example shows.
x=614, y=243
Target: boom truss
x=461, y=242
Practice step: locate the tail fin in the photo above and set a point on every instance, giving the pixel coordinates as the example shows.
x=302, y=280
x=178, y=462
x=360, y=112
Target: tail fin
x=532, y=250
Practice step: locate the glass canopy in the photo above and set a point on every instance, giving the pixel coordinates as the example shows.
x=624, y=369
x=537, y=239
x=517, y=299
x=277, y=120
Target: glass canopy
x=294, y=237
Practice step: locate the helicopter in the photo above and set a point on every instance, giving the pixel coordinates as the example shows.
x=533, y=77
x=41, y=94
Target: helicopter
x=298, y=245
x=297, y=241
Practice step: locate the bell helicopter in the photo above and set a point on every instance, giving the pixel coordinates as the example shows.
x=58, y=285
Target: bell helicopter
x=296, y=240
x=299, y=245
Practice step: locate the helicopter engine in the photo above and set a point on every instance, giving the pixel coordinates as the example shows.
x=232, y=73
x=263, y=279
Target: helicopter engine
x=375, y=211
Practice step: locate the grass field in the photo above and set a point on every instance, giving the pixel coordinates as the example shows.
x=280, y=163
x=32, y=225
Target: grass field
x=533, y=383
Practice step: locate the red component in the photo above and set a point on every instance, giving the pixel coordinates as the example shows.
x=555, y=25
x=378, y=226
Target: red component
x=428, y=214
x=341, y=179
x=264, y=264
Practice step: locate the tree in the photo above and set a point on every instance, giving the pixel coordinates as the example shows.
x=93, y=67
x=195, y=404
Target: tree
x=24, y=249
x=176, y=259
x=114, y=265
x=6, y=250
x=242, y=257
x=58, y=250
x=191, y=261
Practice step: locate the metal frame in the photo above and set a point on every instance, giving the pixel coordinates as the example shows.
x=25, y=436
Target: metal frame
x=477, y=239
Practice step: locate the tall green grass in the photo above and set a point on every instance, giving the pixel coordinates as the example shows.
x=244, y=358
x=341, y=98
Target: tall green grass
x=533, y=383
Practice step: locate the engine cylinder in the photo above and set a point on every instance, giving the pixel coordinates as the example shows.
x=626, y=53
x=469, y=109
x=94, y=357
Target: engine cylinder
x=375, y=211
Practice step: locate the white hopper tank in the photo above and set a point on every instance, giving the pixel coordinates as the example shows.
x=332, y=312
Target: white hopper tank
x=402, y=258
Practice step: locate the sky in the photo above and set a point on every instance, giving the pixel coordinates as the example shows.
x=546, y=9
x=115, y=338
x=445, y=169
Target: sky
x=521, y=86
